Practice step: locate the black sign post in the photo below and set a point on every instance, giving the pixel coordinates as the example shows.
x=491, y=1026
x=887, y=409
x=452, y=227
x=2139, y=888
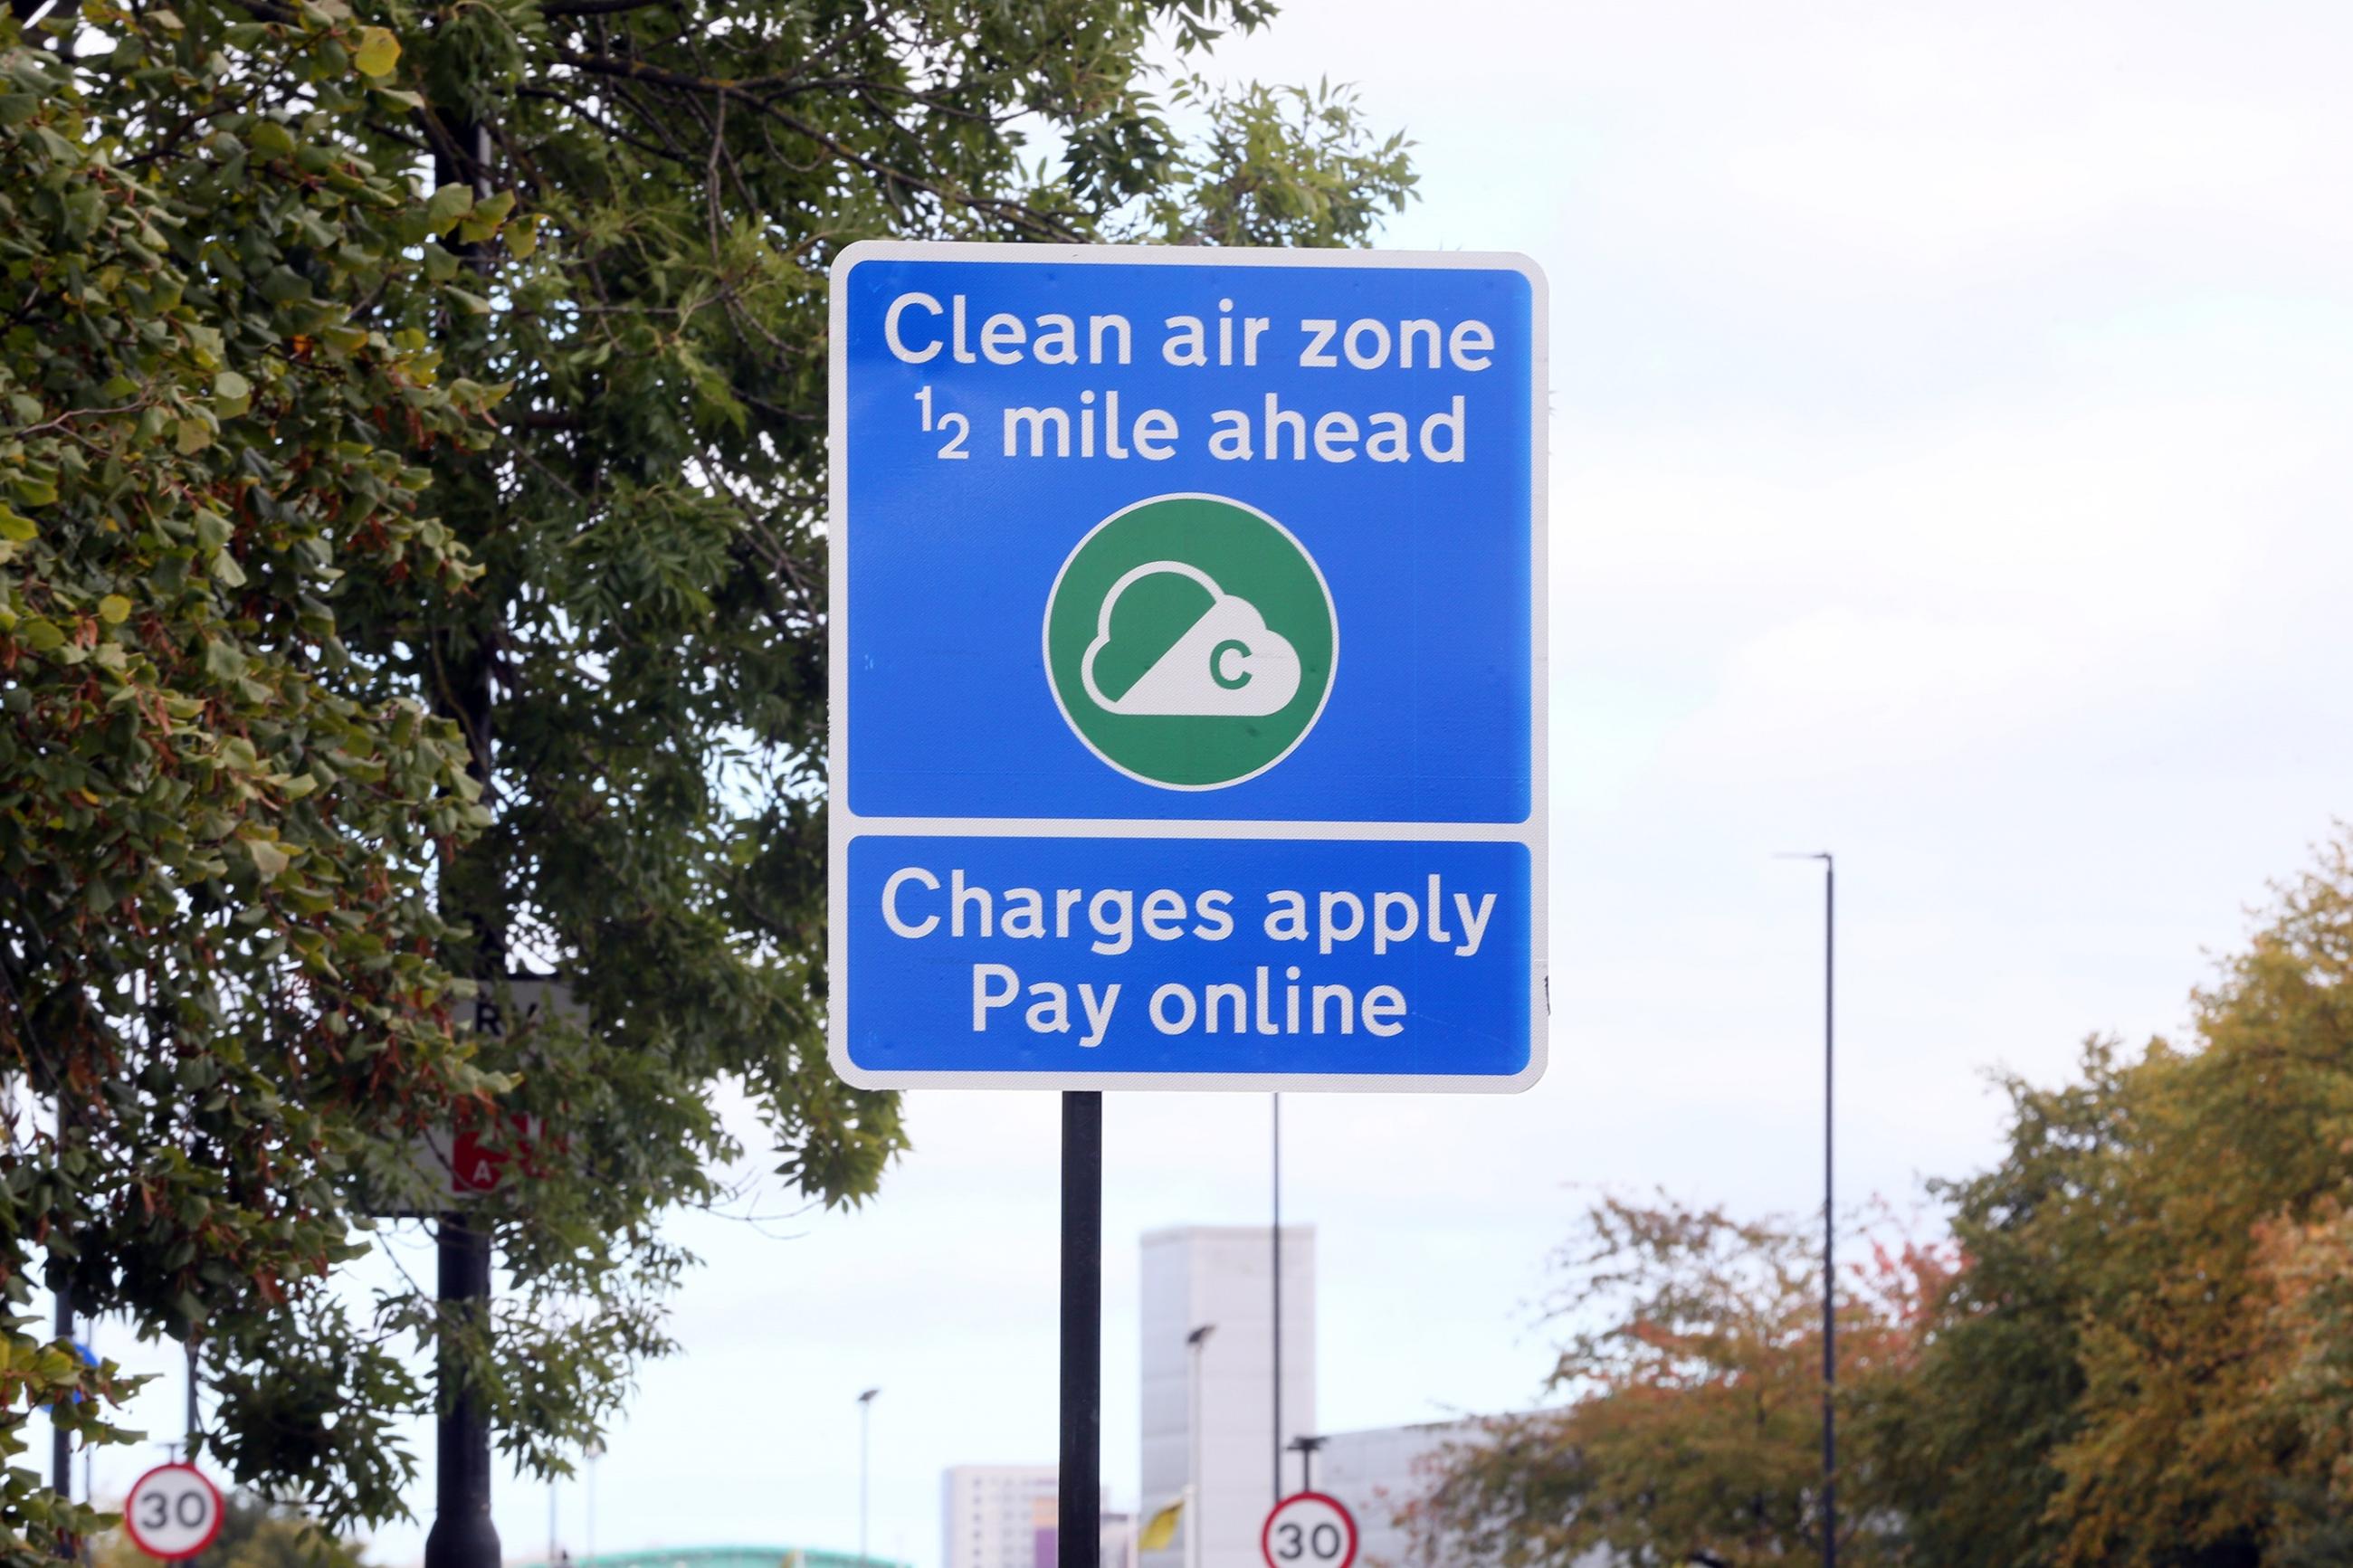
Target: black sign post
x=1080, y=1508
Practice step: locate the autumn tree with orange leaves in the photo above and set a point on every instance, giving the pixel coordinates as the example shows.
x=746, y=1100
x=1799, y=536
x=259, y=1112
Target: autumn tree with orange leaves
x=2136, y=1350
x=1693, y=1368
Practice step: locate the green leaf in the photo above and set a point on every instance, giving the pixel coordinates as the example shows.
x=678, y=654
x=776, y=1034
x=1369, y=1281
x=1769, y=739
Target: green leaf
x=378, y=52
x=484, y=220
x=192, y=436
x=232, y=395
x=39, y=635
x=268, y=860
x=114, y=609
x=447, y=205
x=15, y=527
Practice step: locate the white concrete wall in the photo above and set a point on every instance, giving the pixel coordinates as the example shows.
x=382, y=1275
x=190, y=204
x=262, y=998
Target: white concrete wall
x=1224, y=1276
x=1376, y=1474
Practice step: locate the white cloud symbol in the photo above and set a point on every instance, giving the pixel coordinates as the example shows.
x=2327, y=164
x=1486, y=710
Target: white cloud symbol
x=1228, y=664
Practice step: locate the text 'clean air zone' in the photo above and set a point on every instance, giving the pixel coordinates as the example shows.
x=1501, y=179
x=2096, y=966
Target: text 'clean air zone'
x=1092, y=421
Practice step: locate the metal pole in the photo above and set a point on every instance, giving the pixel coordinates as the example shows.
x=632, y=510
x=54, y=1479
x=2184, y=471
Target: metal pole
x=1830, y=1202
x=1830, y=1218
x=865, y=1415
x=1195, y=1341
x=1307, y=1444
x=462, y=1534
x=188, y=1433
x=1079, y=1503
x=588, y=1534
x=1277, y=1229
x=61, y=1440
x=1191, y=1518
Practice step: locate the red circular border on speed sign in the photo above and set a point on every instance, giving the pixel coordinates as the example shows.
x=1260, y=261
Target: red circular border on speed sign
x=173, y=1512
x=1305, y=1517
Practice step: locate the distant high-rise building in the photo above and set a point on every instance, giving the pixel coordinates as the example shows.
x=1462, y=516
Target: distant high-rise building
x=990, y=1514
x=1221, y=1279
x=1006, y=1516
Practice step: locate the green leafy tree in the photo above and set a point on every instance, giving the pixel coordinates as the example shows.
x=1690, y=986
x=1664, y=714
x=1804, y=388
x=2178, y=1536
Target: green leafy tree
x=1963, y=1446
x=2143, y=1361
x=216, y=931
x=413, y=432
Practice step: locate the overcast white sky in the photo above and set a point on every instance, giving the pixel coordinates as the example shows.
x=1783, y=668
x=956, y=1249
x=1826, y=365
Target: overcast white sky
x=1951, y=469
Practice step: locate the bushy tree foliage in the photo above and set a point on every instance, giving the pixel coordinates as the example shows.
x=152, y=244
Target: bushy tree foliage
x=2142, y=1356
x=1962, y=1447
x=2148, y=1345
x=1692, y=1431
x=410, y=431
x=216, y=831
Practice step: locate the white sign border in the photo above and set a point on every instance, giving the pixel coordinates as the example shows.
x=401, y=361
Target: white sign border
x=843, y=825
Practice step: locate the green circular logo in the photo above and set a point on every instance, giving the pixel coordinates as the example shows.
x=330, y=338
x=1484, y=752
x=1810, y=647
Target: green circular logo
x=1190, y=641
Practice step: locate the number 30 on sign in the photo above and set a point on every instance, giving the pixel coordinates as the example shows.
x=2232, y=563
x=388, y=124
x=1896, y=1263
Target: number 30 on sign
x=1308, y=1530
x=173, y=1512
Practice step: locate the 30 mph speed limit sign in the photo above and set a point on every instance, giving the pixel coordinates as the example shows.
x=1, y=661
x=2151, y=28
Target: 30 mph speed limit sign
x=173, y=1512
x=1308, y=1530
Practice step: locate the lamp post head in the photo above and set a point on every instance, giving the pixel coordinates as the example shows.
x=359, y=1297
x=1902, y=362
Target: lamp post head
x=1200, y=1336
x=868, y=1397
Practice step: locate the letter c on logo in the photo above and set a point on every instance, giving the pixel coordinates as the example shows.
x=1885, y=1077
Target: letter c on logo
x=1217, y=667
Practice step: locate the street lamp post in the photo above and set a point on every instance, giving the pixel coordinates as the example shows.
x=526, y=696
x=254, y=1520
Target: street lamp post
x=865, y=1415
x=1276, y=1231
x=1830, y=1212
x=1191, y=1516
x=1306, y=1447
x=596, y=1451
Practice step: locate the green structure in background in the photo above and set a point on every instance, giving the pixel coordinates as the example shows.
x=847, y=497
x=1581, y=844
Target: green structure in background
x=720, y=1557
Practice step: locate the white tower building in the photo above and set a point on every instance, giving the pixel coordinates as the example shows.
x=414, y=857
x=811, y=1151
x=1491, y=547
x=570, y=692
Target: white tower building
x=1222, y=1279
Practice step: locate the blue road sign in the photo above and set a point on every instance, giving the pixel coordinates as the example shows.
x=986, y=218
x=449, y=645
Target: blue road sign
x=1188, y=668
